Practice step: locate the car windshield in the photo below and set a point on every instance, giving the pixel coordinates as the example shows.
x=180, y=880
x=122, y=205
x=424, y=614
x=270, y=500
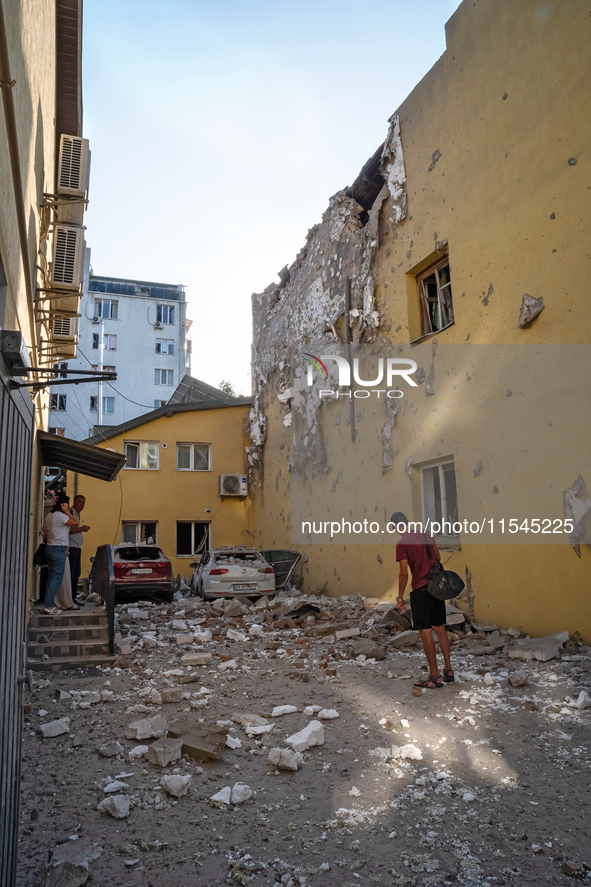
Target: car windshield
x=139, y=553
x=238, y=557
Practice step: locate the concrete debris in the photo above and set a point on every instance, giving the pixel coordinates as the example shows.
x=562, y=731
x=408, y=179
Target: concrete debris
x=238, y=794
x=283, y=710
x=311, y=710
x=110, y=749
x=164, y=752
x=196, y=658
x=176, y=785
x=233, y=742
x=285, y=759
x=115, y=786
x=55, y=728
x=312, y=734
x=247, y=719
x=183, y=640
x=347, y=633
x=171, y=694
x=405, y=639
x=409, y=751
x=369, y=649
x=584, y=700
x=531, y=308
x=328, y=714
x=233, y=635
x=150, y=728
x=201, y=744
x=223, y=796
x=69, y=865
x=116, y=806
x=518, y=679
x=139, y=752
x=542, y=649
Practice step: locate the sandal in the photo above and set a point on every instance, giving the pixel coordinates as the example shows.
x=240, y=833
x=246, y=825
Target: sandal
x=448, y=676
x=51, y=611
x=430, y=683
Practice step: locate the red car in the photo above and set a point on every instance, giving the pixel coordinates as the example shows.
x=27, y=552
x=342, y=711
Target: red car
x=142, y=572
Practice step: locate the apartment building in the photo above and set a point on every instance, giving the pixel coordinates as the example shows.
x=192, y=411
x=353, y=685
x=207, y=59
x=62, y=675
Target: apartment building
x=135, y=328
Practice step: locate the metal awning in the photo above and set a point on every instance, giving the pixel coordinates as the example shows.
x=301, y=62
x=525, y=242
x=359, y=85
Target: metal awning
x=75, y=456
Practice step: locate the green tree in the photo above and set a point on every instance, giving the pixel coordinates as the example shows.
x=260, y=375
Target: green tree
x=227, y=387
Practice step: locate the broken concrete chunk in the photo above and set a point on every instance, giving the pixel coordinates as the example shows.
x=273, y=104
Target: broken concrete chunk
x=235, y=608
x=176, y=785
x=233, y=635
x=258, y=731
x=405, y=639
x=241, y=793
x=55, y=728
x=541, y=649
x=149, y=728
x=584, y=700
x=312, y=734
x=228, y=665
x=184, y=639
x=347, y=633
x=140, y=751
x=196, y=658
x=62, y=695
x=248, y=719
x=530, y=309
x=154, y=697
x=283, y=710
x=312, y=710
x=233, y=742
x=203, y=745
x=409, y=751
x=328, y=714
x=369, y=649
x=110, y=749
x=518, y=679
x=107, y=695
x=116, y=806
x=115, y=786
x=285, y=759
x=256, y=631
x=178, y=625
x=171, y=694
x=223, y=796
x=69, y=866
x=164, y=752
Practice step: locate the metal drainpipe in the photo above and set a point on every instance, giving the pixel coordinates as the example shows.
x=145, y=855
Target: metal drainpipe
x=348, y=354
x=100, y=367
x=6, y=84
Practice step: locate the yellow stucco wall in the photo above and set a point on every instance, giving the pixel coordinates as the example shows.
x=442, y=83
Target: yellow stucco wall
x=167, y=495
x=487, y=137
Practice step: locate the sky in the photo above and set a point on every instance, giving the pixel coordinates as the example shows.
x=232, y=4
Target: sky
x=220, y=130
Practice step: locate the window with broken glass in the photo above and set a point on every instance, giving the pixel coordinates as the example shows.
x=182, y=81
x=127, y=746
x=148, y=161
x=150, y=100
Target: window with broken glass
x=141, y=454
x=192, y=538
x=192, y=457
x=138, y=532
x=435, y=297
x=440, y=495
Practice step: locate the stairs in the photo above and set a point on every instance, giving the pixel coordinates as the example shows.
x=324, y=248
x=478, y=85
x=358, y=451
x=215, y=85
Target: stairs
x=73, y=639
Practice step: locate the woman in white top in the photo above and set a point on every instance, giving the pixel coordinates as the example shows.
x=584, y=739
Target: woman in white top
x=58, y=523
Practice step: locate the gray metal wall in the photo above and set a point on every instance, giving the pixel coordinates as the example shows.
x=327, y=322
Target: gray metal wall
x=16, y=444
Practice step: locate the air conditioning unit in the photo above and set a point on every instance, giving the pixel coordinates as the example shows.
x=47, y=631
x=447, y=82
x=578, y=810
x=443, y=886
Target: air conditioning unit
x=69, y=248
x=158, y=325
x=74, y=166
x=233, y=485
x=64, y=328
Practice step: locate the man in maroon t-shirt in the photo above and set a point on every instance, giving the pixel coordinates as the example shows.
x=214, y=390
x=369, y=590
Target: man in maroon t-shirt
x=428, y=614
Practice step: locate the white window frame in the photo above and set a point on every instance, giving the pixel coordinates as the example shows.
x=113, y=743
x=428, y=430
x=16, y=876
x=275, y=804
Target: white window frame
x=106, y=399
x=159, y=403
x=139, y=531
x=111, y=314
x=427, y=510
x=60, y=401
x=168, y=375
x=444, y=298
x=169, y=346
x=110, y=342
x=165, y=311
x=142, y=447
x=194, y=553
x=192, y=444
x=94, y=403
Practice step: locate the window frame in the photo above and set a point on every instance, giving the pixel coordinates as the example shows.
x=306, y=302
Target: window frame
x=94, y=408
x=139, y=524
x=170, y=342
x=139, y=444
x=99, y=303
x=158, y=375
x=207, y=537
x=107, y=397
x=192, y=444
x=446, y=540
x=107, y=339
x=58, y=399
x=163, y=309
x=446, y=307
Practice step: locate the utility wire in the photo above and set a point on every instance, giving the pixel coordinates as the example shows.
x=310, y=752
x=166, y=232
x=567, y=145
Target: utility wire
x=145, y=405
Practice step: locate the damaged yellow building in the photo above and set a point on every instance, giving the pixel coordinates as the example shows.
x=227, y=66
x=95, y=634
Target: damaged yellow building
x=461, y=246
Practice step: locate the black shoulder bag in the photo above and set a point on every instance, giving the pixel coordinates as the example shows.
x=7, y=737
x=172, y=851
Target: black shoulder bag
x=442, y=584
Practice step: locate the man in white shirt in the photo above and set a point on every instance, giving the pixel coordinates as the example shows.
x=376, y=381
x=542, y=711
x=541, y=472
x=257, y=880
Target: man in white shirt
x=75, y=545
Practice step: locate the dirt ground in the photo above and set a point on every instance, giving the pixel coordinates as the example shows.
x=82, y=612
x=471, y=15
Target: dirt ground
x=501, y=794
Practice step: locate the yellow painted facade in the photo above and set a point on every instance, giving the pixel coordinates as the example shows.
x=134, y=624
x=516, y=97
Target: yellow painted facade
x=496, y=145
x=165, y=494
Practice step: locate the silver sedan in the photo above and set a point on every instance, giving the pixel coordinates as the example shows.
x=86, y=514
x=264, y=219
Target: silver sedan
x=233, y=572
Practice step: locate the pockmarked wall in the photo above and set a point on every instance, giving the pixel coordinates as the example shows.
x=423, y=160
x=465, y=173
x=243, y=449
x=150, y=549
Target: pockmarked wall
x=484, y=170
x=167, y=495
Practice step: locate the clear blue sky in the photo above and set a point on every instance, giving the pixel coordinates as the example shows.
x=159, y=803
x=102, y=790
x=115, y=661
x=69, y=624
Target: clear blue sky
x=219, y=131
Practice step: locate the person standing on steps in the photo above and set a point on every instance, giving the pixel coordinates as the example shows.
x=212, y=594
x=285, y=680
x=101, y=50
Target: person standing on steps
x=58, y=524
x=428, y=613
x=76, y=539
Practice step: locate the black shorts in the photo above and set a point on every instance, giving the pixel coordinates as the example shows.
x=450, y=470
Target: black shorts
x=427, y=611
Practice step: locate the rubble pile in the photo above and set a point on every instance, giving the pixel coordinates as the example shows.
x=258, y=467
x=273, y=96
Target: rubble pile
x=292, y=725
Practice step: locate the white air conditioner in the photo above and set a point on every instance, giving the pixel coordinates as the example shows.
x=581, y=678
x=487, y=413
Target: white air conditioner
x=158, y=325
x=64, y=329
x=233, y=485
x=74, y=166
x=69, y=248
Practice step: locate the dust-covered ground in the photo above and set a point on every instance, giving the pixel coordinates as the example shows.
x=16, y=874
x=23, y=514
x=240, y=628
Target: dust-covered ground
x=494, y=792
